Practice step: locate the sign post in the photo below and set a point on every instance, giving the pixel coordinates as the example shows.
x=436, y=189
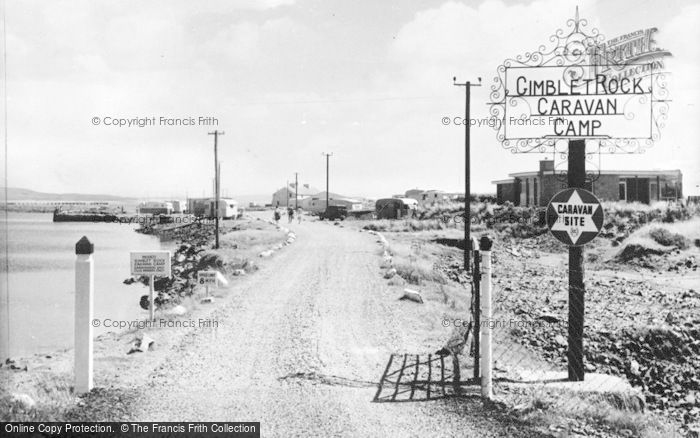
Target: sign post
x=210, y=278
x=577, y=178
x=575, y=217
x=207, y=278
x=151, y=298
x=582, y=89
x=150, y=263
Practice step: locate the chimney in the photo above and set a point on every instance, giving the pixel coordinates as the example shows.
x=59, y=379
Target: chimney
x=546, y=165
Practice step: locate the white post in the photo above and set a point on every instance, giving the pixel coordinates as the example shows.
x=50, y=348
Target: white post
x=485, y=245
x=84, y=291
x=151, y=299
x=207, y=288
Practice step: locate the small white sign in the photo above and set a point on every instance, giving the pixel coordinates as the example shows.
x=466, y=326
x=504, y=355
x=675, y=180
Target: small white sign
x=211, y=278
x=207, y=278
x=150, y=263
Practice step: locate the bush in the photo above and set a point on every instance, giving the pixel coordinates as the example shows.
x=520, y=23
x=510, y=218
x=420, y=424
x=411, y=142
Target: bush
x=666, y=238
x=622, y=218
x=210, y=260
x=416, y=273
x=376, y=226
x=634, y=251
x=520, y=222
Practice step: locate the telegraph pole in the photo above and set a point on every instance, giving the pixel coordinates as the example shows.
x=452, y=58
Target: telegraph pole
x=468, y=221
x=216, y=135
x=467, y=171
x=296, y=191
x=286, y=194
x=327, y=167
x=4, y=228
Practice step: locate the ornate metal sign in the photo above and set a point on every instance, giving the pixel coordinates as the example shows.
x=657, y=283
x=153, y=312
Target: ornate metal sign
x=583, y=87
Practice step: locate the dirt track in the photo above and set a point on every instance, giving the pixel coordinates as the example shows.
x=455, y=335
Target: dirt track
x=301, y=346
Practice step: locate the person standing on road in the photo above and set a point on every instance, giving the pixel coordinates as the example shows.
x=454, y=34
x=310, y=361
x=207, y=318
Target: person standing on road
x=290, y=214
x=276, y=215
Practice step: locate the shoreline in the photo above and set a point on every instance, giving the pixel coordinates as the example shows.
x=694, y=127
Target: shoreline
x=46, y=377
x=41, y=261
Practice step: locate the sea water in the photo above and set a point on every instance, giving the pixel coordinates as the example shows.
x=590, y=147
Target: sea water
x=41, y=278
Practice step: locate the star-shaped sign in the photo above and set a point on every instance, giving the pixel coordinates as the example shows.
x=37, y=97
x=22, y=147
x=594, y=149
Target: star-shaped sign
x=573, y=219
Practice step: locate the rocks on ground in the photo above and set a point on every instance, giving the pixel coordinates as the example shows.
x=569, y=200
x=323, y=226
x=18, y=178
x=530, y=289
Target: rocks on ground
x=142, y=344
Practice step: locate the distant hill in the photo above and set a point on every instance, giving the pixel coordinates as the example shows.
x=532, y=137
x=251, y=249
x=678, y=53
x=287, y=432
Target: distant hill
x=18, y=194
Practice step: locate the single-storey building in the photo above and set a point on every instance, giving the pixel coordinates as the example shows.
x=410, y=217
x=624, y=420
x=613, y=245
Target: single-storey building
x=287, y=195
x=317, y=202
x=536, y=188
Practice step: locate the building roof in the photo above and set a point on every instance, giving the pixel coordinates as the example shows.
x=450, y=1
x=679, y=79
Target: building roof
x=336, y=197
x=627, y=173
x=502, y=181
x=211, y=199
x=404, y=201
x=304, y=189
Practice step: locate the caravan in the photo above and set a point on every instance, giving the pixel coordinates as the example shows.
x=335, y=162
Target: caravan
x=228, y=208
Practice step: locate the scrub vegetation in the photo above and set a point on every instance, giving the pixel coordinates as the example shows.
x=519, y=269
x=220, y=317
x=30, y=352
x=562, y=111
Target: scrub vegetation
x=640, y=274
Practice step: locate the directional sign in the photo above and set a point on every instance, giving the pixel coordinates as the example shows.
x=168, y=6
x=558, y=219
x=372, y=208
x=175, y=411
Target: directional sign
x=207, y=278
x=574, y=216
x=211, y=278
x=150, y=263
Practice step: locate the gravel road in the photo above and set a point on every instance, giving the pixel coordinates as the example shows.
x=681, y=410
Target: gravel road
x=300, y=347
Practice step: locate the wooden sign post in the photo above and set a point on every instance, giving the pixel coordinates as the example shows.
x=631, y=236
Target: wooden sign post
x=580, y=88
x=150, y=263
x=576, y=178
x=151, y=298
x=207, y=278
x=210, y=278
x=575, y=217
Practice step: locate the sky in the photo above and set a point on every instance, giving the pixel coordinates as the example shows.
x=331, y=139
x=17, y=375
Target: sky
x=289, y=80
